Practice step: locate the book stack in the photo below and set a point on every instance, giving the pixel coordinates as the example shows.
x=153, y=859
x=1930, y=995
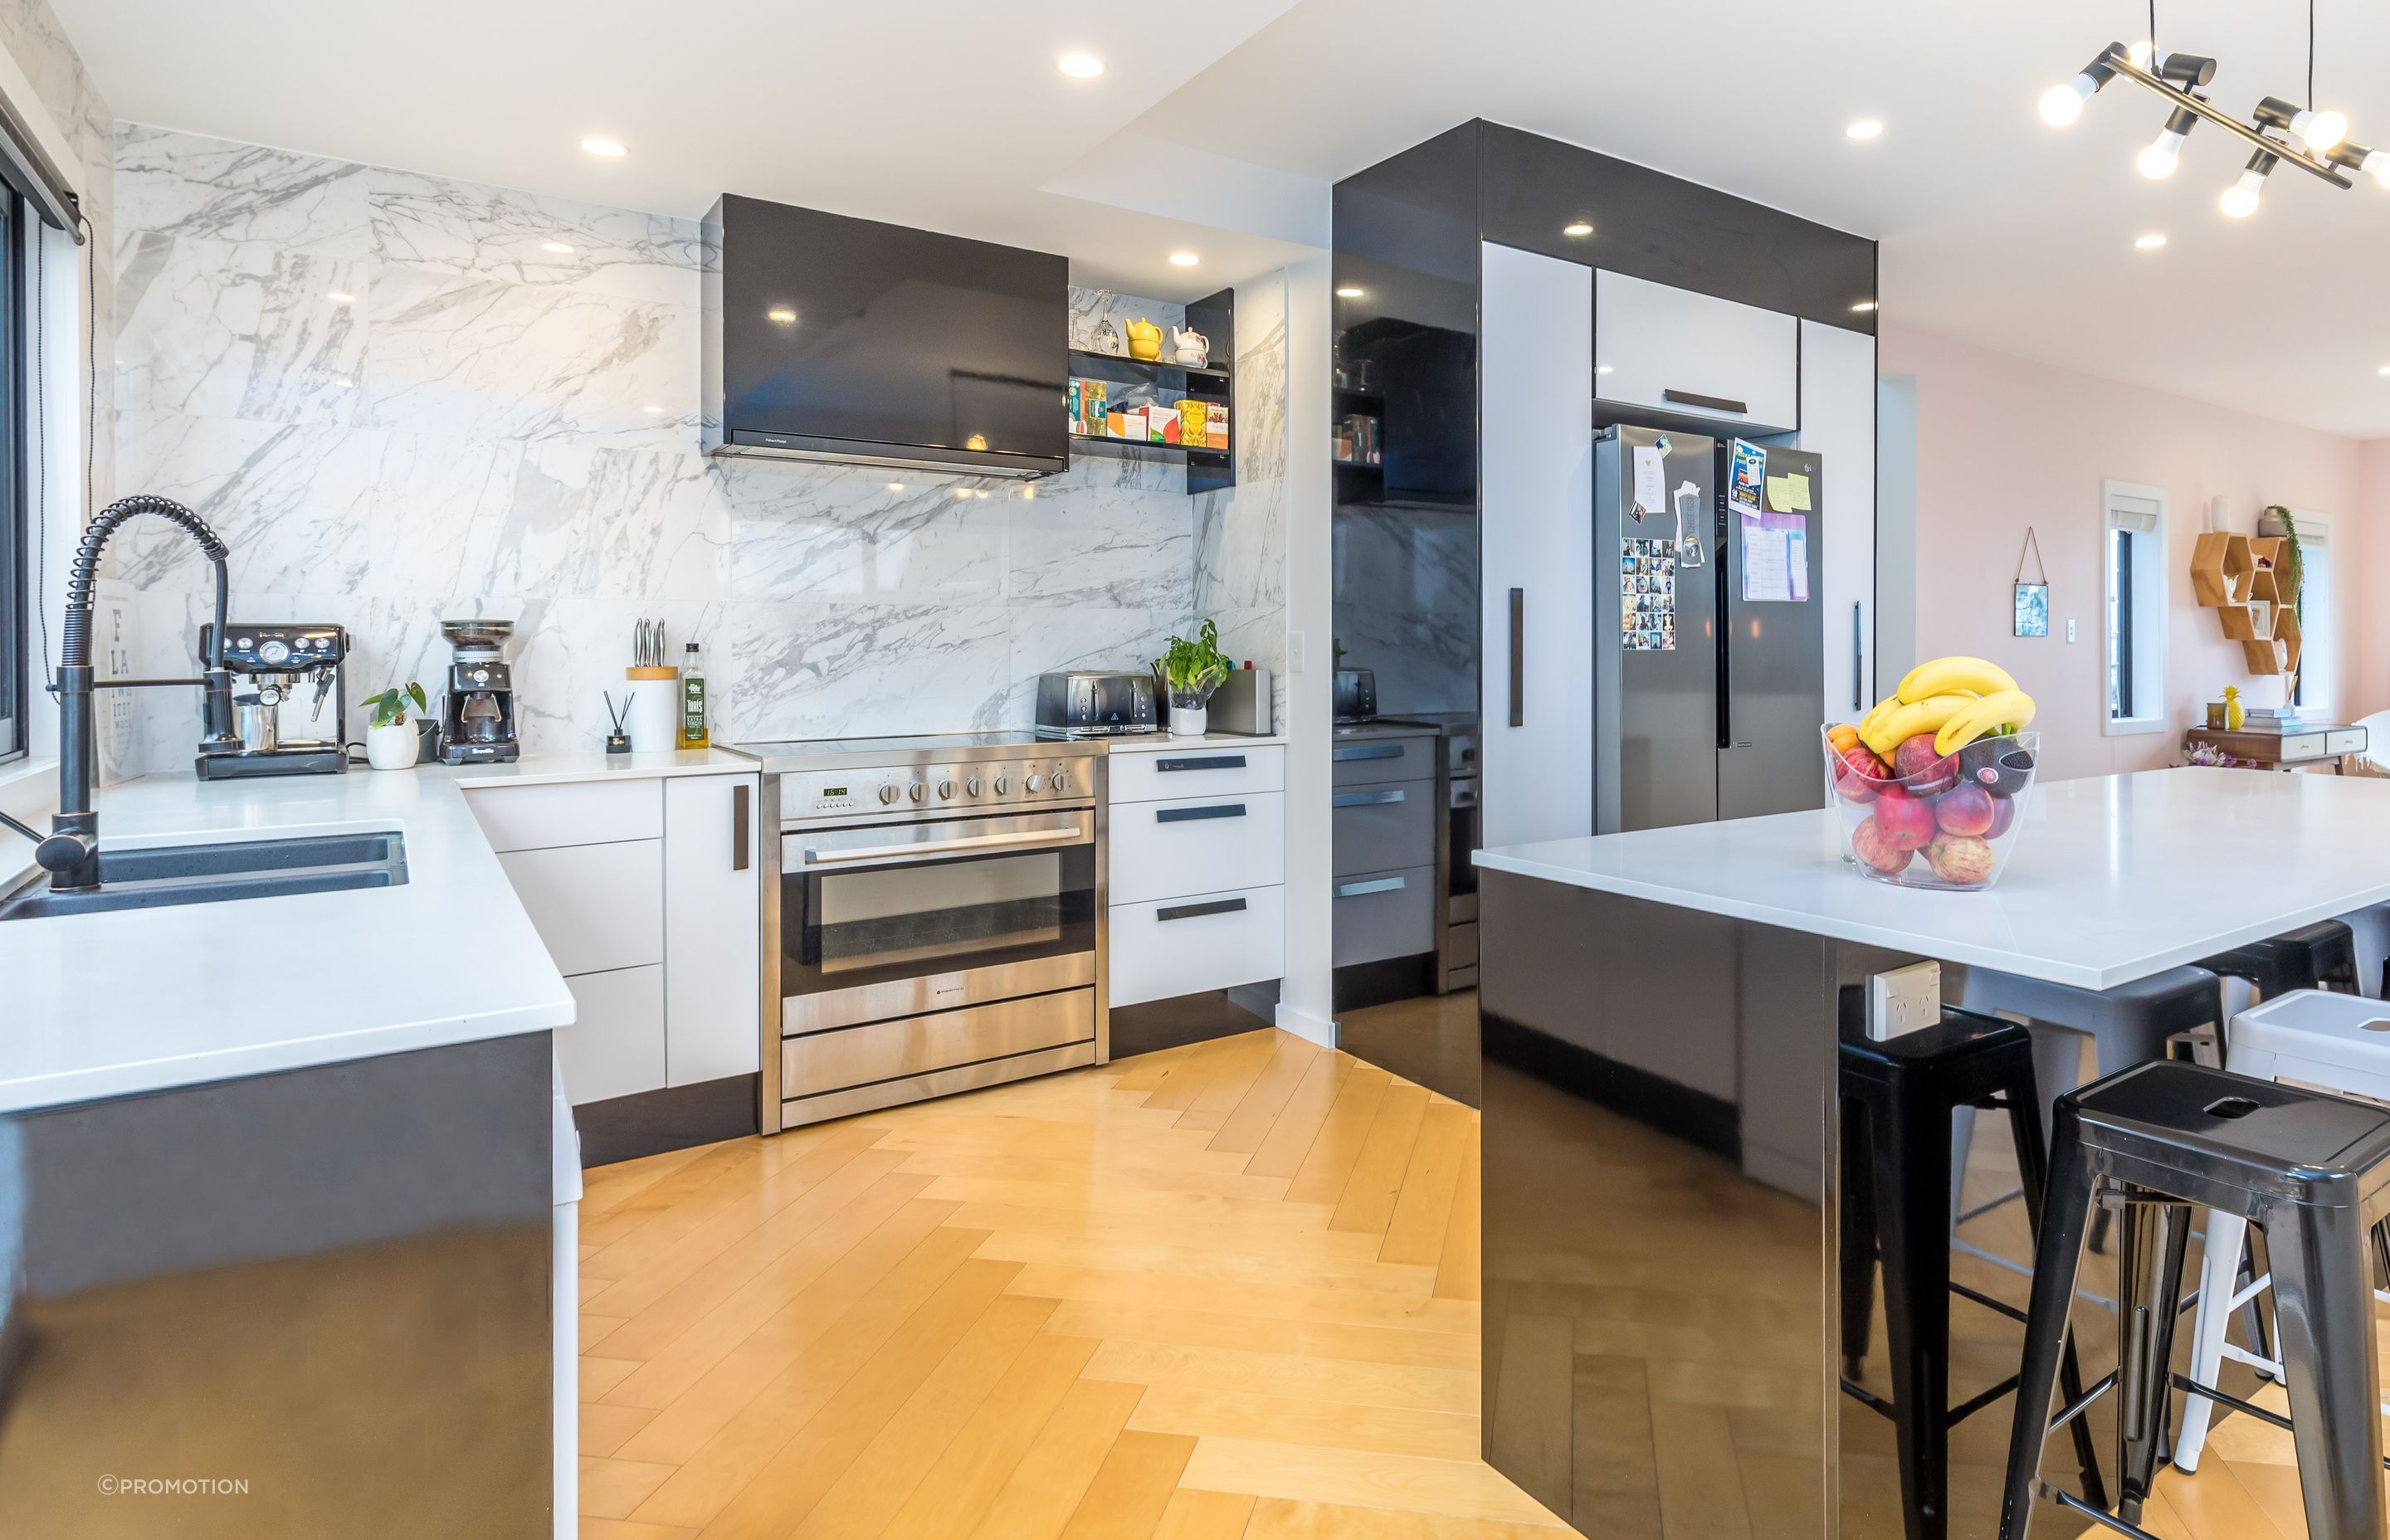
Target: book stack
x=2277, y=719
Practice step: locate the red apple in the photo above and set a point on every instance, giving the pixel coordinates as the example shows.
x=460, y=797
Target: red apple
x=1905, y=821
x=1961, y=858
x=1922, y=770
x=1859, y=775
x=1963, y=810
x=2004, y=811
x=1867, y=842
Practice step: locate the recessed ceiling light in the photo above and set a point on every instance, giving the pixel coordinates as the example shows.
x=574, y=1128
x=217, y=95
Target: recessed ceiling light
x=1602, y=368
x=610, y=148
x=1080, y=66
x=1184, y=259
x=1348, y=293
x=341, y=299
x=1865, y=128
x=1865, y=307
x=781, y=314
x=2386, y=368
x=2151, y=242
x=557, y=245
x=1579, y=228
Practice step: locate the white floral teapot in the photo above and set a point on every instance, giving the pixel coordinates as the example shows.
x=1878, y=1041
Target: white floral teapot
x=1190, y=348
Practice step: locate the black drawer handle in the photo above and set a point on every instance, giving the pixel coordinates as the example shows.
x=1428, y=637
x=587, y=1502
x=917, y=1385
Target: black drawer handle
x=1364, y=799
x=1716, y=404
x=1192, y=911
x=1212, y=762
x=1371, y=750
x=1189, y=814
x=1375, y=885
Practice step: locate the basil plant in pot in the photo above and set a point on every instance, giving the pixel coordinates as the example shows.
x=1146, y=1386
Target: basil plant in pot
x=1191, y=672
x=394, y=736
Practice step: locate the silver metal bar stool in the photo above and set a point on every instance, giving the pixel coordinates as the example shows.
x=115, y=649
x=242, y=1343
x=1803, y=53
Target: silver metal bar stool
x=2313, y=1171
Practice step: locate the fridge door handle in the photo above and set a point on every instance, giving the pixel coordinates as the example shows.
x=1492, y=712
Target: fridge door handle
x=1518, y=657
x=1859, y=657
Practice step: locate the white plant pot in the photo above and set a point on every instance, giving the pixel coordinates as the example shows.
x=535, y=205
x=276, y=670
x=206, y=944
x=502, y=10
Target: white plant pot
x=393, y=746
x=1190, y=721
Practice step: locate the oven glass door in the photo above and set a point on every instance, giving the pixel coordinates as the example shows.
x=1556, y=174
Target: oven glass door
x=1461, y=828
x=880, y=903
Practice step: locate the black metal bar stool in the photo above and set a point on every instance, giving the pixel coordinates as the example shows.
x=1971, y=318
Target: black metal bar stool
x=2322, y=956
x=2314, y=1172
x=2129, y=1024
x=1898, y=1099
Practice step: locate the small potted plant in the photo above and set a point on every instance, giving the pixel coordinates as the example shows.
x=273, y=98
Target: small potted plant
x=394, y=737
x=1191, y=672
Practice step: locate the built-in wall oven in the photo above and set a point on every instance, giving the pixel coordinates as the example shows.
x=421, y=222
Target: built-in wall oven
x=1457, y=840
x=937, y=922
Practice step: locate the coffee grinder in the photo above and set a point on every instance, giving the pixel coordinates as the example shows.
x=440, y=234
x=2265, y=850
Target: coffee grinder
x=477, y=718
x=270, y=661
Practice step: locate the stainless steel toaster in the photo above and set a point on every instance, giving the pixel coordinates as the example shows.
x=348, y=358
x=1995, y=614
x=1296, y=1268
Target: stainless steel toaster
x=1095, y=703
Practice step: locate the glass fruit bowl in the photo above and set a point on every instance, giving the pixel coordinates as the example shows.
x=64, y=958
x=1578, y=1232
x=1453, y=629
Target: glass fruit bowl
x=1949, y=823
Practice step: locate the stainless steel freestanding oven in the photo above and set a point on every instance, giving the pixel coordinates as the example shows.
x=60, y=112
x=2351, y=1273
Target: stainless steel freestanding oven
x=937, y=924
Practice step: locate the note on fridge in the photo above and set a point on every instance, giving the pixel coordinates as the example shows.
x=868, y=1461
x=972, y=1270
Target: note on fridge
x=1789, y=493
x=1767, y=564
x=1650, y=480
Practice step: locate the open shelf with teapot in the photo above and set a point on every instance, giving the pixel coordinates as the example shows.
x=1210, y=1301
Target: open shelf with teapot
x=1168, y=391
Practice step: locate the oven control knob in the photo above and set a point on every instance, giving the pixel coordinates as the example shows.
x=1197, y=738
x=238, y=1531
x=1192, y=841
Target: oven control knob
x=1061, y=782
x=1032, y=783
x=946, y=789
x=970, y=787
x=918, y=791
x=887, y=795
x=1003, y=786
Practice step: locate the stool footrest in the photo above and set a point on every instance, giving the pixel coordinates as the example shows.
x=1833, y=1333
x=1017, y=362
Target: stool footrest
x=2187, y=1384
x=1996, y=1306
x=1960, y=1413
x=2097, y=1515
x=2100, y=1386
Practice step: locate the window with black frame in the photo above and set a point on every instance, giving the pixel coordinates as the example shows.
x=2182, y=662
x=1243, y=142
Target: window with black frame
x=17, y=682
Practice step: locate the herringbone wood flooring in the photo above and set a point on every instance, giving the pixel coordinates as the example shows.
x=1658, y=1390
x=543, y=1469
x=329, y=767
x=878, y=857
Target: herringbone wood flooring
x=1227, y=1290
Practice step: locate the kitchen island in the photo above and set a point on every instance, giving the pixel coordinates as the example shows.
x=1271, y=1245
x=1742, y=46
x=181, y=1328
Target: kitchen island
x=1660, y=1013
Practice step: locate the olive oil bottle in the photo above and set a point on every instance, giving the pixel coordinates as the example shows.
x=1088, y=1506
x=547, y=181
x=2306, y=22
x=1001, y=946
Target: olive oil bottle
x=693, y=730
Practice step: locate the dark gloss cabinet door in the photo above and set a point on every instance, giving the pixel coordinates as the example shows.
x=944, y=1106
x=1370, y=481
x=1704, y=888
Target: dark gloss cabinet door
x=308, y=1304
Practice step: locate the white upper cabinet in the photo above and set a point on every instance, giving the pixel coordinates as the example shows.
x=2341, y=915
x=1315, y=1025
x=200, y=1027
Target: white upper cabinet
x=1671, y=350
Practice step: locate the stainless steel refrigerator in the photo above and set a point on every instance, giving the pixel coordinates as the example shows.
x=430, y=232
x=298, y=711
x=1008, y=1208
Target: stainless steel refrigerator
x=1709, y=639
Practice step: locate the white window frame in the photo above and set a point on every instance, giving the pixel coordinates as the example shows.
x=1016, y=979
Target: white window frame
x=2150, y=575
x=2314, y=533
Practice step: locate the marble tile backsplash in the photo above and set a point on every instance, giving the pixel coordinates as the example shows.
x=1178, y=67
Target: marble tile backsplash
x=399, y=400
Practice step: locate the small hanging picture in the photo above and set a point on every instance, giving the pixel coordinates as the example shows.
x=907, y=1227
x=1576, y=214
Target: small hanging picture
x=2032, y=599
x=2033, y=610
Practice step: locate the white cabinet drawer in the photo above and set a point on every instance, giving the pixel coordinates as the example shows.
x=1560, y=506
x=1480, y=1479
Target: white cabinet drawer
x=1198, y=770
x=533, y=817
x=1672, y=350
x=594, y=907
x=1187, y=945
x=615, y=1045
x=2347, y=740
x=1197, y=845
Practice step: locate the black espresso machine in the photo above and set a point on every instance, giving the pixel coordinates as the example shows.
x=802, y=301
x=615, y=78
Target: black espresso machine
x=270, y=662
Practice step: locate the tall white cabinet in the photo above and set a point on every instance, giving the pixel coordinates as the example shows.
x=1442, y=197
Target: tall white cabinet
x=1838, y=421
x=1536, y=545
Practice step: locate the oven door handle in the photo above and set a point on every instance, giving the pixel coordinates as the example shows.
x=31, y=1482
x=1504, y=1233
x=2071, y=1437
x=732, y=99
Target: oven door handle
x=1017, y=838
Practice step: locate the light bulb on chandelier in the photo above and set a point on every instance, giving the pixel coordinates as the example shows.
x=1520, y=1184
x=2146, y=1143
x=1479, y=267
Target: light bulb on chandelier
x=2240, y=199
x=2159, y=158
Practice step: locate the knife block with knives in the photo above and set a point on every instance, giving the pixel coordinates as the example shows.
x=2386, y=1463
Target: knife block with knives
x=652, y=714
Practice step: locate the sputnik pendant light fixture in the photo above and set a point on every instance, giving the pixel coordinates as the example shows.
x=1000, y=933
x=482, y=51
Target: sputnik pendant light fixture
x=2281, y=132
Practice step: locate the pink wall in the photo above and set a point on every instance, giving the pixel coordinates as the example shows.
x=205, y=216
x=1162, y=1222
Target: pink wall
x=2003, y=442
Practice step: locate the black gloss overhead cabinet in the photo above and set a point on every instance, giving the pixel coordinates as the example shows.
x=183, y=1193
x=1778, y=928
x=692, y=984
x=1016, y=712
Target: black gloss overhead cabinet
x=835, y=339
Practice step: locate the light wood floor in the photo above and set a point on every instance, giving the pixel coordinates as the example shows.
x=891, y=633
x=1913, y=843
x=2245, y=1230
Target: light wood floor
x=1225, y=1291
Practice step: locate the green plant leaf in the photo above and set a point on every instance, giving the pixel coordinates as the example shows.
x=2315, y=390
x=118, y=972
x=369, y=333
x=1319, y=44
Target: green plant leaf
x=415, y=693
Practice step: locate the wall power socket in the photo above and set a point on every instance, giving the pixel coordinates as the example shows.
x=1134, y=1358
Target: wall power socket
x=1904, y=1000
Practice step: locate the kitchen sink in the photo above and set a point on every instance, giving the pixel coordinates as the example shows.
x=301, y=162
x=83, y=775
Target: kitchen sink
x=218, y=873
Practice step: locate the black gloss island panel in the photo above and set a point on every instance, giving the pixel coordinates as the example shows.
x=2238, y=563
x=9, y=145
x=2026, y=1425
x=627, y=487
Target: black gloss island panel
x=308, y=1304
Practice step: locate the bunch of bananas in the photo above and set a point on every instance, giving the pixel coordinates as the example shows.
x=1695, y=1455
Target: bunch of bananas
x=1957, y=700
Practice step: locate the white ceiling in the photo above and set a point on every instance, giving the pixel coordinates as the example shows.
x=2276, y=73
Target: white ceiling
x=952, y=116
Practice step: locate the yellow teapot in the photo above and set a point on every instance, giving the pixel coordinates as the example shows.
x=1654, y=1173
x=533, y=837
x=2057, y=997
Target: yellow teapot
x=1144, y=339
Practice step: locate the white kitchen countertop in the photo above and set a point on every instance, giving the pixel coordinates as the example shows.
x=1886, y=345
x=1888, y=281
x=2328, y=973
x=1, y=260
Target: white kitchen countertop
x=2115, y=877
x=135, y=1000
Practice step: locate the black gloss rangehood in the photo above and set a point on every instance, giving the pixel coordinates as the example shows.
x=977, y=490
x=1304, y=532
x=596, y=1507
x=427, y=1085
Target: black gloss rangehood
x=828, y=338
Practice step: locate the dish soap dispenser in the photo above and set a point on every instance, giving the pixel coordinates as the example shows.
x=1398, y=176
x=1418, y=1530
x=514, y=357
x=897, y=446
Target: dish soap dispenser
x=693, y=731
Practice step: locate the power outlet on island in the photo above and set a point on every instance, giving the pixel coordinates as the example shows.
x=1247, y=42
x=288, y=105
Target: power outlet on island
x=1904, y=1000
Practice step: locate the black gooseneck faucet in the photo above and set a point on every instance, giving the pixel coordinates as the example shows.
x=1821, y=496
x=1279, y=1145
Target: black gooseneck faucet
x=71, y=853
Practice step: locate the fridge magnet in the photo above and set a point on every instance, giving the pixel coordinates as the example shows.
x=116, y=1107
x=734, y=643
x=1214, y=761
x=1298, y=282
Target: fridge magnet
x=1750, y=469
x=2032, y=598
